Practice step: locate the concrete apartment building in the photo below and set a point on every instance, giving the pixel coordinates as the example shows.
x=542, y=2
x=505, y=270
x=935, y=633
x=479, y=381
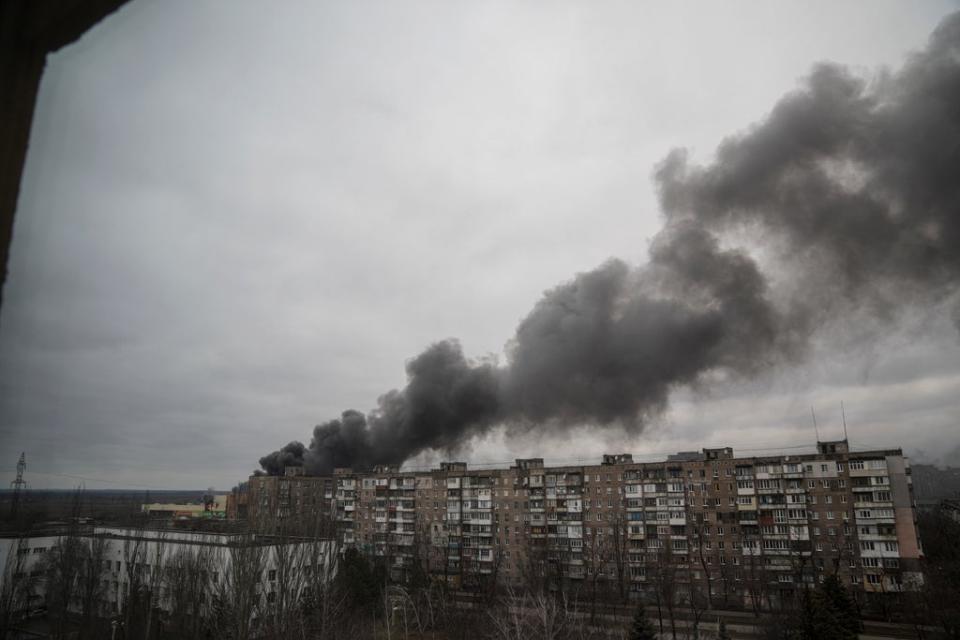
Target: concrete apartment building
x=127, y=556
x=741, y=529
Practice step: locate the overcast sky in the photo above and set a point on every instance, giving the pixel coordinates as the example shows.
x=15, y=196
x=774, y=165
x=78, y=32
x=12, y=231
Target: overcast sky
x=237, y=222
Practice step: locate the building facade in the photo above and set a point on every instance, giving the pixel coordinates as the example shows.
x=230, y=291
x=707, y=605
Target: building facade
x=124, y=559
x=212, y=506
x=738, y=530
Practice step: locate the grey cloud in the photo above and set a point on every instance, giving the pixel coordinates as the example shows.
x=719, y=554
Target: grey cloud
x=856, y=182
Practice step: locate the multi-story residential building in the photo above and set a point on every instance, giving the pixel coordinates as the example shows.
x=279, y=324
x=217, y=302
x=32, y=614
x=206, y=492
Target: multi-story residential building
x=294, y=500
x=747, y=530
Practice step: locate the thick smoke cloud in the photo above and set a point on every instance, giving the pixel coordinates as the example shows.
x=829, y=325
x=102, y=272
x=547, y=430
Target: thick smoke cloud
x=288, y=456
x=856, y=182
x=851, y=185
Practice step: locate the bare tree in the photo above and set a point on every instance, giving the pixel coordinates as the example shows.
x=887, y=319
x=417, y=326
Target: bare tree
x=666, y=586
x=16, y=587
x=153, y=573
x=91, y=589
x=699, y=524
x=727, y=574
x=134, y=594
x=697, y=603
x=540, y=616
x=596, y=555
x=532, y=562
x=237, y=604
x=322, y=602
x=187, y=578
x=63, y=564
x=287, y=580
x=618, y=542
x=756, y=574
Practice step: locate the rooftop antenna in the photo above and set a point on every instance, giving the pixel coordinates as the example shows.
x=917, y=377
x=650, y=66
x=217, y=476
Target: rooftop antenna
x=18, y=485
x=844, y=414
x=815, y=428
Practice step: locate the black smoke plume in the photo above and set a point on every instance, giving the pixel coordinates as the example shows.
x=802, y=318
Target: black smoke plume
x=852, y=187
x=289, y=456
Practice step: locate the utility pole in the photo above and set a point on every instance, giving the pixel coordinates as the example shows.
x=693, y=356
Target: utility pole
x=18, y=485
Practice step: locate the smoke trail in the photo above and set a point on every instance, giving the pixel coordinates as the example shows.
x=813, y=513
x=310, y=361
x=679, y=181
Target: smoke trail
x=852, y=185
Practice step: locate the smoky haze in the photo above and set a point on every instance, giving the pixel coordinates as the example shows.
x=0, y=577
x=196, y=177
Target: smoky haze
x=849, y=185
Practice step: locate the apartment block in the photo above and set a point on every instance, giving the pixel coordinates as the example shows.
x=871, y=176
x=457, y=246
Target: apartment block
x=744, y=530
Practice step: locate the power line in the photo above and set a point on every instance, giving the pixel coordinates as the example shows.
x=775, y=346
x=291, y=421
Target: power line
x=88, y=479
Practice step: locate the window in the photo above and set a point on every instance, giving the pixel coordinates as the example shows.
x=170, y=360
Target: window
x=856, y=465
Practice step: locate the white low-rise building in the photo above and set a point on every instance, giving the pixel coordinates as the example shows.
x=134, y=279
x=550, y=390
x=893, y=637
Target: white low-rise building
x=107, y=564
